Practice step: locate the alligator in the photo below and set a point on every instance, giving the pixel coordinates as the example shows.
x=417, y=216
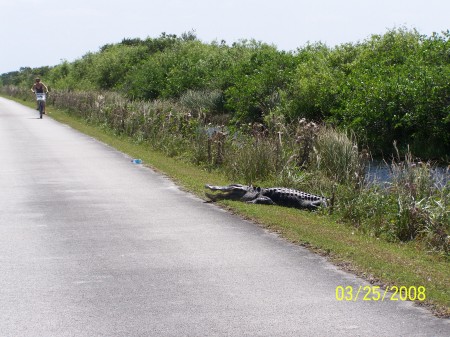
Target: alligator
x=269, y=196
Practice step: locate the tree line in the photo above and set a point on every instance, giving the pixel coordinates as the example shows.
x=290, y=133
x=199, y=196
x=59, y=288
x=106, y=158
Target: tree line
x=390, y=87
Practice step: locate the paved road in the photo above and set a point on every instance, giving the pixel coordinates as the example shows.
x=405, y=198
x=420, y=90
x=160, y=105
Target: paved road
x=92, y=245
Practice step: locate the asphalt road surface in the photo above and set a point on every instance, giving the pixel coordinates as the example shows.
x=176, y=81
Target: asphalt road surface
x=94, y=245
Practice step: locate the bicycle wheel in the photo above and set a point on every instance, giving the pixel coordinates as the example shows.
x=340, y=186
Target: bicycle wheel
x=41, y=108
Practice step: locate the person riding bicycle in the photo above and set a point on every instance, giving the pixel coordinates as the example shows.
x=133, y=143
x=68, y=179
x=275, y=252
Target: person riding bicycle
x=39, y=88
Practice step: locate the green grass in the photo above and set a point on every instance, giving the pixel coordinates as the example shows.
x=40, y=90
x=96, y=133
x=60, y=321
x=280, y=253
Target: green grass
x=380, y=262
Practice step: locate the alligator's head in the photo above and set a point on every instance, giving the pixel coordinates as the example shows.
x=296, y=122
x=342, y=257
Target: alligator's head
x=230, y=192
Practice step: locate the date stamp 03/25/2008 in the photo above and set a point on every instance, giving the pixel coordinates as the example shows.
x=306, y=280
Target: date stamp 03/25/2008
x=375, y=293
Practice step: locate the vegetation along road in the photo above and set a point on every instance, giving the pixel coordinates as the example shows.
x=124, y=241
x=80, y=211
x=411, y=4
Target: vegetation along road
x=92, y=244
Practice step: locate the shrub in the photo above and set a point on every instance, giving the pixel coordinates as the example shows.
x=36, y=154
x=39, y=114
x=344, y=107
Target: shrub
x=337, y=156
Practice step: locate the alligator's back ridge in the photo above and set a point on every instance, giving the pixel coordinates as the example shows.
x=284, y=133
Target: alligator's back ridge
x=294, y=198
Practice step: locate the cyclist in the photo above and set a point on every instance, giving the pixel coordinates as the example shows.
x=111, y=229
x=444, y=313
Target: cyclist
x=39, y=88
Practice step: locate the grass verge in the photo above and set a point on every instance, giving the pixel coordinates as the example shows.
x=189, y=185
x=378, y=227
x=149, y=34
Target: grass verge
x=379, y=262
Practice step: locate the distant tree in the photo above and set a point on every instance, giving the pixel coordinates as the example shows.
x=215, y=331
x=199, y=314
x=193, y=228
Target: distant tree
x=256, y=80
x=398, y=89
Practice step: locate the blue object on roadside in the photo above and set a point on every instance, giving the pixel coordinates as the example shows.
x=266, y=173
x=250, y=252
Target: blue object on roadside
x=137, y=161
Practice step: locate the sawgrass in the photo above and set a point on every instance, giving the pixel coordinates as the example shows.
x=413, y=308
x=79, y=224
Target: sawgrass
x=380, y=262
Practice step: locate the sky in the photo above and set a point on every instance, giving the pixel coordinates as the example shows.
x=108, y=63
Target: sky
x=36, y=33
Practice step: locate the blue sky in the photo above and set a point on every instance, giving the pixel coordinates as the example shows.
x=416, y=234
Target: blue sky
x=45, y=32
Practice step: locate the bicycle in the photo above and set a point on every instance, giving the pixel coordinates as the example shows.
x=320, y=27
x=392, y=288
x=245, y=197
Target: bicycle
x=40, y=97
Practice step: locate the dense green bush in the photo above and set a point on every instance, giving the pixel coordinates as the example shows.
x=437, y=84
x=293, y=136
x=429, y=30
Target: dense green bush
x=398, y=89
x=256, y=81
x=313, y=90
x=389, y=87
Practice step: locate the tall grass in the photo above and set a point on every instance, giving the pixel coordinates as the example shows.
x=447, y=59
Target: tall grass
x=413, y=205
x=203, y=102
x=302, y=155
x=251, y=159
x=337, y=155
x=423, y=209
